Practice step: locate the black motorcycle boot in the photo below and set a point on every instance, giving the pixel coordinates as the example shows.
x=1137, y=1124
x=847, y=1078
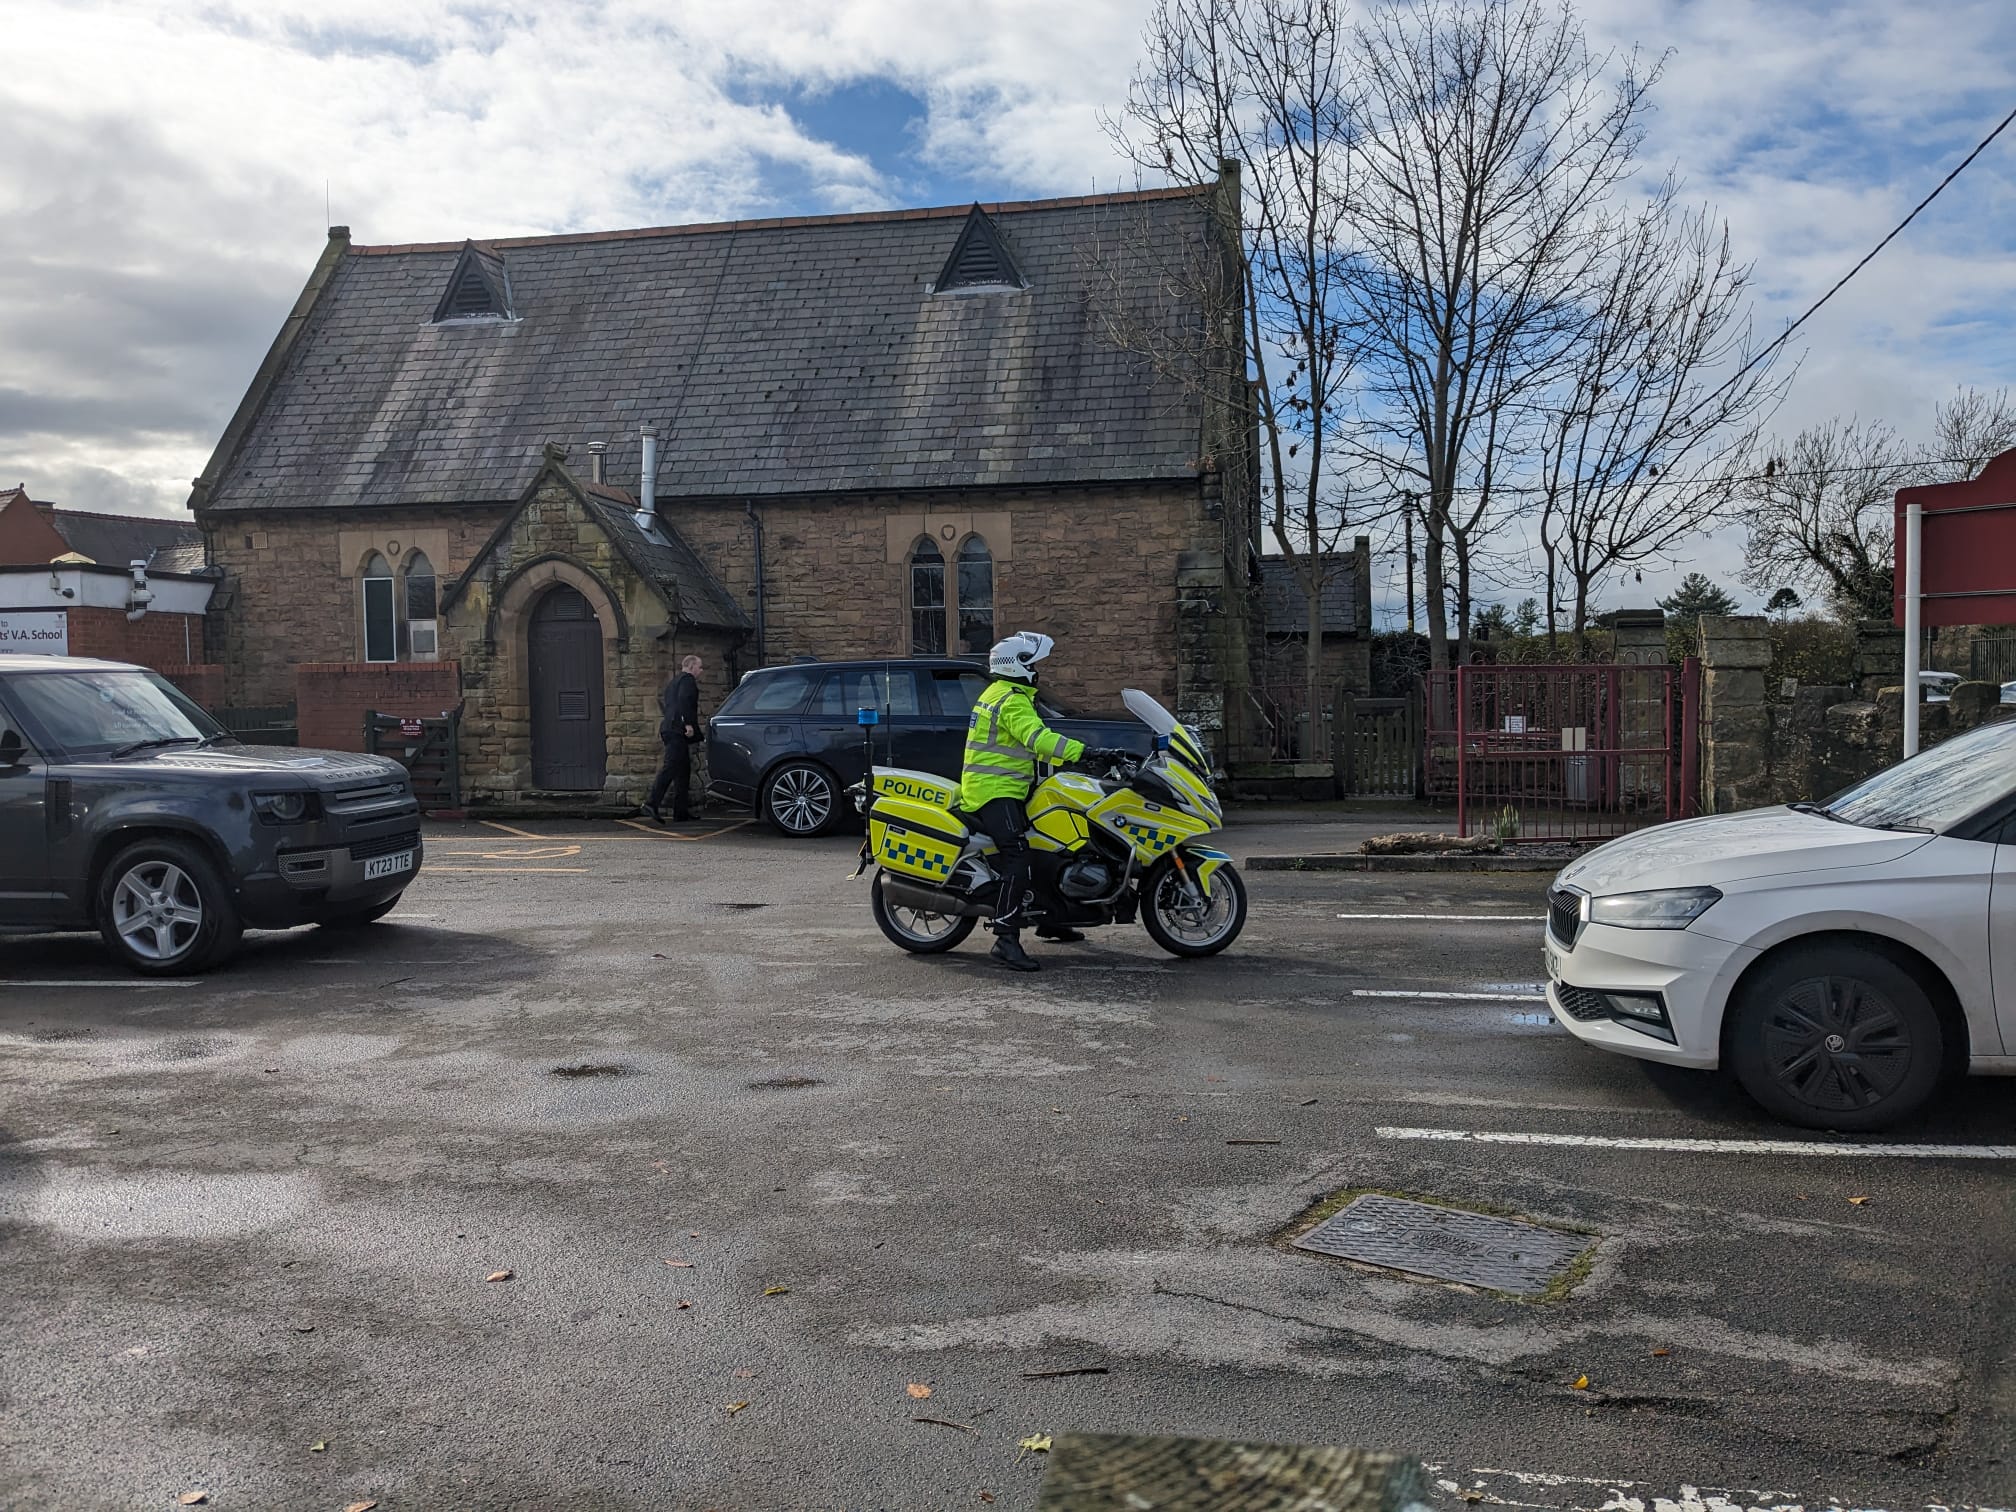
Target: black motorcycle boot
x=1059, y=934
x=1009, y=952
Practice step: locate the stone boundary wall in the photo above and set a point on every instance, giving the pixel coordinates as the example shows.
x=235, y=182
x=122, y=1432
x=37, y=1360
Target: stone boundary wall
x=1762, y=745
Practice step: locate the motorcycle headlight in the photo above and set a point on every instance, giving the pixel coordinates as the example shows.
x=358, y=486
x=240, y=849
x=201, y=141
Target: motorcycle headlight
x=1662, y=908
x=284, y=808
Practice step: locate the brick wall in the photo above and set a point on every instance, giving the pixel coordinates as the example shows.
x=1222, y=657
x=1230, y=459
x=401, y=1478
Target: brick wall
x=290, y=593
x=1096, y=569
x=155, y=640
x=204, y=682
x=332, y=698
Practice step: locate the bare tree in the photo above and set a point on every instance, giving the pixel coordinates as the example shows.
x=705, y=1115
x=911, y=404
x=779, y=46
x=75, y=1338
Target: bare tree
x=1821, y=516
x=1257, y=92
x=1643, y=433
x=1492, y=143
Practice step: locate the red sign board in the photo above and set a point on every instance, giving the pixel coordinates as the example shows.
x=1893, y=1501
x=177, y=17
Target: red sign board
x=1969, y=574
x=411, y=727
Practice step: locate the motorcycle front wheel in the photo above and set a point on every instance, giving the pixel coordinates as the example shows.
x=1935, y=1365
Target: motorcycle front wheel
x=917, y=930
x=1182, y=925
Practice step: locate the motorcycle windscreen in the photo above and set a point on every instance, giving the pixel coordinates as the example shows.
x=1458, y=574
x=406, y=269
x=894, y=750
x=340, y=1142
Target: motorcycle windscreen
x=1166, y=727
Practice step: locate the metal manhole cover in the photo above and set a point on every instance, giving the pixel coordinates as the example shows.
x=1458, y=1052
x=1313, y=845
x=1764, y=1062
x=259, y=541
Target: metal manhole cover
x=1448, y=1244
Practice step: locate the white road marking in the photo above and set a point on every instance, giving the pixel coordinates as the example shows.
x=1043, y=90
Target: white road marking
x=1588, y=1493
x=129, y=982
x=1708, y=1146
x=1455, y=918
x=1452, y=997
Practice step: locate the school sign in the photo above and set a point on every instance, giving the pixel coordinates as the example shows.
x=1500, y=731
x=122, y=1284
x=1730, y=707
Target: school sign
x=44, y=633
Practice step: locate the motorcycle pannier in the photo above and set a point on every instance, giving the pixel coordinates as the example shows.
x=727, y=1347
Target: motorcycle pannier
x=915, y=839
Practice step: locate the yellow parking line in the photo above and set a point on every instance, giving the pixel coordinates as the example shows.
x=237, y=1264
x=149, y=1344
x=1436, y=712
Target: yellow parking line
x=658, y=834
x=574, y=871
x=507, y=829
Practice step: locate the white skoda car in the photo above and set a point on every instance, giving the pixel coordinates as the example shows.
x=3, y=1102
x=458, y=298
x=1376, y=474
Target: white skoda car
x=1841, y=959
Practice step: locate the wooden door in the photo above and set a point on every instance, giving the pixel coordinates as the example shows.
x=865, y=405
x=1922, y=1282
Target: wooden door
x=564, y=656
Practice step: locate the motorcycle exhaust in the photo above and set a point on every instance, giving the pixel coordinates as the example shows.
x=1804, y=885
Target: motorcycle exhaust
x=933, y=899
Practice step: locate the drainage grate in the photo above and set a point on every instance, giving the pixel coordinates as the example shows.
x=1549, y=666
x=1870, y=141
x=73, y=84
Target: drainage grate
x=1448, y=1244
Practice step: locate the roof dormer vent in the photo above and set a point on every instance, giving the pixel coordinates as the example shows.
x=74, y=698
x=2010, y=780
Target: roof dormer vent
x=980, y=262
x=479, y=289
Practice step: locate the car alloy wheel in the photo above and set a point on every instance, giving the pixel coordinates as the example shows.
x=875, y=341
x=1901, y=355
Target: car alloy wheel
x=802, y=800
x=158, y=911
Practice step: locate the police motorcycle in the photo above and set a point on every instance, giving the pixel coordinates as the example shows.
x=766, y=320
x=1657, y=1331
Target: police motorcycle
x=1108, y=845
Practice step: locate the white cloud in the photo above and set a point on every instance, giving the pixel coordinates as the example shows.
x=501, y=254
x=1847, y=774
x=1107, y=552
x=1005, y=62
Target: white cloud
x=161, y=199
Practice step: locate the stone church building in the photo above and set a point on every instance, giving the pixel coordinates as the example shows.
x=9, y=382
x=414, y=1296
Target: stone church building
x=525, y=476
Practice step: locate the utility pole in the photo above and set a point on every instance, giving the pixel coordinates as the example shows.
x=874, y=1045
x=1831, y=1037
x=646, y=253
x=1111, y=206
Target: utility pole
x=1407, y=518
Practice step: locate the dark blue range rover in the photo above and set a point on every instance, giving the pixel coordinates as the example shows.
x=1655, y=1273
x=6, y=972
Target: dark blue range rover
x=787, y=742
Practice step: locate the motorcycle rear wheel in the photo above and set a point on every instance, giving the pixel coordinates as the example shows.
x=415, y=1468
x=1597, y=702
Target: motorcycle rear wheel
x=1178, y=925
x=914, y=929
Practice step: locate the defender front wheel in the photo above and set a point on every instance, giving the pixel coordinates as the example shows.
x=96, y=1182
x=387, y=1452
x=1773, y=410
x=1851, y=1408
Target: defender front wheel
x=918, y=930
x=1184, y=924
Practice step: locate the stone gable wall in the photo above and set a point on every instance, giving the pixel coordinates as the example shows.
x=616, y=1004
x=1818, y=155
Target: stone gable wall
x=555, y=542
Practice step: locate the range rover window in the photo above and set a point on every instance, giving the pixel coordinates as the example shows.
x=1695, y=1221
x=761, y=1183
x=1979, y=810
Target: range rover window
x=779, y=693
x=111, y=714
x=845, y=693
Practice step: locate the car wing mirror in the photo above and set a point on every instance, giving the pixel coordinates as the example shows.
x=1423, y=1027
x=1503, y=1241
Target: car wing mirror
x=11, y=750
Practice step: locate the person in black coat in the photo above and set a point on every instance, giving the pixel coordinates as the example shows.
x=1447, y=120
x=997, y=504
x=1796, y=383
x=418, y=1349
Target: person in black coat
x=679, y=728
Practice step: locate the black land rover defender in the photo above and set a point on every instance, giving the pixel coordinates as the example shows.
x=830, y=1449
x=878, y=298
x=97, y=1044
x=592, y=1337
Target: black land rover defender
x=125, y=808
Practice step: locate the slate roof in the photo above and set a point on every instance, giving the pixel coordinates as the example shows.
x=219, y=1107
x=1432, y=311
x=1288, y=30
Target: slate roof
x=113, y=540
x=1286, y=606
x=779, y=357
x=665, y=558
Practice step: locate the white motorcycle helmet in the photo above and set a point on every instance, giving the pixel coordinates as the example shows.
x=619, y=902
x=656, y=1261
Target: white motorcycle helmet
x=1017, y=655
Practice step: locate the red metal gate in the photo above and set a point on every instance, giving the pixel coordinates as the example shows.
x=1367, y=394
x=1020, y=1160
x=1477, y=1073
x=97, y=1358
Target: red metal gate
x=1564, y=752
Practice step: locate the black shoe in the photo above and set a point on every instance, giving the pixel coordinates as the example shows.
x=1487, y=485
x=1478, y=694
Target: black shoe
x=650, y=810
x=1009, y=952
x=1059, y=934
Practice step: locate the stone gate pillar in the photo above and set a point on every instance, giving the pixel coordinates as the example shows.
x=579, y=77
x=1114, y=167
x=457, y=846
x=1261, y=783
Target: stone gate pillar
x=1735, y=712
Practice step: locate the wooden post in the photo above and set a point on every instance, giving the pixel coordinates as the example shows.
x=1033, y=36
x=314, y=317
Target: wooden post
x=1117, y=1472
x=1344, y=744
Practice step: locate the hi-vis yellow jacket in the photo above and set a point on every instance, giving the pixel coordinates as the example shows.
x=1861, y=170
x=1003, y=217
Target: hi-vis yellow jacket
x=1004, y=738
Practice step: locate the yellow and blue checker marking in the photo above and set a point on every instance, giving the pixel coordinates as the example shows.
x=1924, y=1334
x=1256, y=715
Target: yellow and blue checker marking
x=917, y=859
x=1157, y=840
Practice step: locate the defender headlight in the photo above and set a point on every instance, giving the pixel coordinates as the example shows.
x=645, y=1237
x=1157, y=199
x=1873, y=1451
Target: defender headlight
x=1663, y=908
x=285, y=808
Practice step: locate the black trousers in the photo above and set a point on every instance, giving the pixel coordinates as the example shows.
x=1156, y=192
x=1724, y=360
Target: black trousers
x=677, y=775
x=1004, y=821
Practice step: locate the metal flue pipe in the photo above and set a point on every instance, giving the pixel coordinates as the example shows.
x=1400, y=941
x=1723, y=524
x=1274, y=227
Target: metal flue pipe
x=647, y=488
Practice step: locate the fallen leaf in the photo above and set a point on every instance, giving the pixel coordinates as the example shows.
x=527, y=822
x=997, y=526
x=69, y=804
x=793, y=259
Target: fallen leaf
x=918, y=1392
x=775, y=1291
x=137, y=1350
x=304, y=1328
x=1308, y=1102
x=659, y=955
x=193, y=1498
x=987, y=1496
x=681, y=1305
x=735, y=1407
x=503, y=1275
x=1036, y=1443
x=1660, y=1354
x=680, y=1264
x=1858, y=1201
x=743, y=1372
x=319, y=1446
x=695, y=1234
x=1582, y=1383
x=363, y=1506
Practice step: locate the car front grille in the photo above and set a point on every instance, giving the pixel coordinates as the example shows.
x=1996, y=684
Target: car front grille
x=1564, y=916
x=362, y=800
x=384, y=845
x=1581, y=1003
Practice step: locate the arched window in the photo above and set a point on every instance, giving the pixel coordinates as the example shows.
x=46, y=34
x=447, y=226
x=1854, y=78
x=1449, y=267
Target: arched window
x=976, y=597
x=927, y=599
x=423, y=600
x=381, y=618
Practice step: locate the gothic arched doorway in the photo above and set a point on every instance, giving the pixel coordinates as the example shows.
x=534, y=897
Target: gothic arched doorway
x=563, y=658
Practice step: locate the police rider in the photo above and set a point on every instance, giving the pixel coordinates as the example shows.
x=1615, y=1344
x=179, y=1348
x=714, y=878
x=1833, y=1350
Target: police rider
x=1005, y=737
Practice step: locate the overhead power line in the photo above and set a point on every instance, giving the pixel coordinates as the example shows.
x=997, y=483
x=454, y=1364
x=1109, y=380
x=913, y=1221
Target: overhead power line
x=1840, y=283
x=1916, y=464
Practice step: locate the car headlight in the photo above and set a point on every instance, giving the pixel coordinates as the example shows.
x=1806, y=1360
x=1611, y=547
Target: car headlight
x=285, y=808
x=1663, y=908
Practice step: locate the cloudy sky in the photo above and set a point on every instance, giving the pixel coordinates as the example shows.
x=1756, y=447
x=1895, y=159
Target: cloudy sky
x=164, y=169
